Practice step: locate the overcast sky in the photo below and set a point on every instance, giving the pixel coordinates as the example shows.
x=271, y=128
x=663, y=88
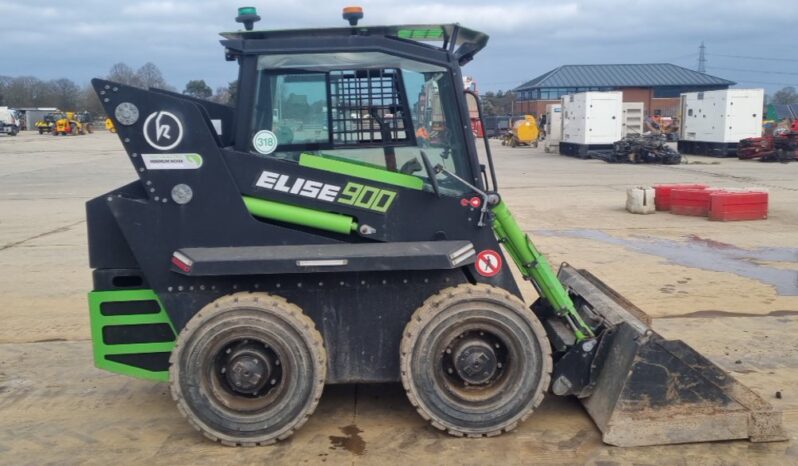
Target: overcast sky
x=528, y=38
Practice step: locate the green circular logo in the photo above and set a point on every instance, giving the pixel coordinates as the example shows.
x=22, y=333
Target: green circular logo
x=264, y=141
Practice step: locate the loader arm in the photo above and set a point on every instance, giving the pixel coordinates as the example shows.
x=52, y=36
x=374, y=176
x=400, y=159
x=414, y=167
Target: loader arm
x=534, y=267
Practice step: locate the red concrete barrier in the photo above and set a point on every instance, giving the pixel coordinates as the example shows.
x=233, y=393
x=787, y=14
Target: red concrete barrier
x=662, y=193
x=693, y=202
x=730, y=206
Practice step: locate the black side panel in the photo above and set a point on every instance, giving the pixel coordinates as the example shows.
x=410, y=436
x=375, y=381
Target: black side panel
x=107, y=245
x=224, y=114
x=152, y=224
x=361, y=316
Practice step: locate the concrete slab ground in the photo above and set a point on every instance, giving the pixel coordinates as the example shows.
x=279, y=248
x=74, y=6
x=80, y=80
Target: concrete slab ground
x=728, y=289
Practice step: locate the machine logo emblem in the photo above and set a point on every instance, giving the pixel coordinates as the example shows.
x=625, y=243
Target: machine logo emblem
x=488, y=263
x=163, y=130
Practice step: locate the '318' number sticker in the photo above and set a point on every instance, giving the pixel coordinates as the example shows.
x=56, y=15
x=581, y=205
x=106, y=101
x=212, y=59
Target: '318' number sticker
x=264, y=141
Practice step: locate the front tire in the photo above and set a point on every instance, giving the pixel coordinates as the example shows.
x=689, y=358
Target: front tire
x=248, y=369
x=475, y=361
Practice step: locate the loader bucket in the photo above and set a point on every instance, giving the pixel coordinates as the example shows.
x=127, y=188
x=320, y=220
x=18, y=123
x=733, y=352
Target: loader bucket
x=654, y=391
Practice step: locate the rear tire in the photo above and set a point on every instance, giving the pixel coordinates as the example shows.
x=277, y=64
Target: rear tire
x=248, y=369
x=475, y=361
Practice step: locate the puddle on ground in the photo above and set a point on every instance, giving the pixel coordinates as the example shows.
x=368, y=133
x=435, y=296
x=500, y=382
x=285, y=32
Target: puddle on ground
x=352, y=442
x=705, y=254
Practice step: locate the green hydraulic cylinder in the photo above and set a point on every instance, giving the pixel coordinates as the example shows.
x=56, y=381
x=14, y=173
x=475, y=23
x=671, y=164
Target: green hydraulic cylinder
x=534, y=266
x=296, y=215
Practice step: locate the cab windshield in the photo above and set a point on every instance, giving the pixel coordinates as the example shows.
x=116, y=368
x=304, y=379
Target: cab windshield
x=343, y=106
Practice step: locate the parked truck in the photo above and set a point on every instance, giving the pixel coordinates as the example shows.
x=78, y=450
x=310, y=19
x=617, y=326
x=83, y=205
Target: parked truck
x=9, y=123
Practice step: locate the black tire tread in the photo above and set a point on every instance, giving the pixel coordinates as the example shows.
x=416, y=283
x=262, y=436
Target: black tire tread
x=427, y=311
x=223, y=304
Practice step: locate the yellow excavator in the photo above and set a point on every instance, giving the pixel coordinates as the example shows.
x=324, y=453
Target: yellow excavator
x=524, y=132
x=72, y=123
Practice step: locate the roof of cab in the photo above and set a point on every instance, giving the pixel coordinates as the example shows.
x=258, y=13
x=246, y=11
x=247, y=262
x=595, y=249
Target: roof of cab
x=462, y=41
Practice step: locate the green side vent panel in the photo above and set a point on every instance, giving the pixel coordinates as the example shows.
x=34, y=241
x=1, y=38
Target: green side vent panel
x=360, y=170
x=131, y=333
x=421, y=34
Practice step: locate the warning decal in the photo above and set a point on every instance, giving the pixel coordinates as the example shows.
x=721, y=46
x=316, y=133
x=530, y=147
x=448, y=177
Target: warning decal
x=488, y=263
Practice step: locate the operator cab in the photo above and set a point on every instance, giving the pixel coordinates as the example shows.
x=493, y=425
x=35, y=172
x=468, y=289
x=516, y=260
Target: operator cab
x=383, y=97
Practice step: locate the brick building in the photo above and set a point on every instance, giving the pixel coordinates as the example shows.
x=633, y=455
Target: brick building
x=656, y=85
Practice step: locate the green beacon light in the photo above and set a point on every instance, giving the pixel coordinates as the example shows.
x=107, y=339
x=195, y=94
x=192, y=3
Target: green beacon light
x=247, y=15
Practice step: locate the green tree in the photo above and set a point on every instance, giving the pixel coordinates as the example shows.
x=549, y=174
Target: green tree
x=198, y=88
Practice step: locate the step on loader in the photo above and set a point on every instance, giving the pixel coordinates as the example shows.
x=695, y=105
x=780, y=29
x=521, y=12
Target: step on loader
x=337, y=225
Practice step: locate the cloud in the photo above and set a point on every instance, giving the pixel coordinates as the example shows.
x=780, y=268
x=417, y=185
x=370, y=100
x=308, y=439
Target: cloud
x=527, y=37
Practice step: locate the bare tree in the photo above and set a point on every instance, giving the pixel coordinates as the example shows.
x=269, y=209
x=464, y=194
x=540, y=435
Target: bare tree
x=785, y=96
x=4, y=81
x=65, y=93
x=89, y=101
x=221, y=96
x=123, y=74
x=24, y=91
x=150, y=76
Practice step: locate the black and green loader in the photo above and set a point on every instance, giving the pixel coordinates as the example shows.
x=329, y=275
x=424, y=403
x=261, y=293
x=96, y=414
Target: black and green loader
x=337, y=225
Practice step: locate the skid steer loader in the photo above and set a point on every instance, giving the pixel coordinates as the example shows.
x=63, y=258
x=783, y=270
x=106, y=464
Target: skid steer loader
x=312, y=234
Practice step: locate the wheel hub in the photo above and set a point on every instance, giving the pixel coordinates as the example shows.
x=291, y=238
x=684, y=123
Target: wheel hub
x=247, y=369
x=475, y=361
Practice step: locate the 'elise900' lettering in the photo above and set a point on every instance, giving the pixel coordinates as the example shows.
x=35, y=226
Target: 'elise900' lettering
x=353, y=194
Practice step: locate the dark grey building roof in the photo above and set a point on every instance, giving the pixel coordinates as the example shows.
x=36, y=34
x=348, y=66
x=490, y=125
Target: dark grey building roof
x=640, y=75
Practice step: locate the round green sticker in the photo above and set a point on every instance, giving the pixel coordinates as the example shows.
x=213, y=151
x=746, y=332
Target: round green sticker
x=264, y=141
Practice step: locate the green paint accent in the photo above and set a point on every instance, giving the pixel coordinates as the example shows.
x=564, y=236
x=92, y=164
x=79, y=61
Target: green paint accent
x=196, y=159
x=296, y=215
x=247, y=10
x=421, y=34
x=534, y=266
x=101, y=349
x=361, y=170
x=366, y=197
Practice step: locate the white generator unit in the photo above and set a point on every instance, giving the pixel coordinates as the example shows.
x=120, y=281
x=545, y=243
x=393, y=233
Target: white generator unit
x=553, y=127
x=713, y=122
x=632, y=121
x=590, y=121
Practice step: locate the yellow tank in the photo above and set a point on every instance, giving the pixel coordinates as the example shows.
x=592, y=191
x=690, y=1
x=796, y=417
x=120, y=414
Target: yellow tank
x=525, y=132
